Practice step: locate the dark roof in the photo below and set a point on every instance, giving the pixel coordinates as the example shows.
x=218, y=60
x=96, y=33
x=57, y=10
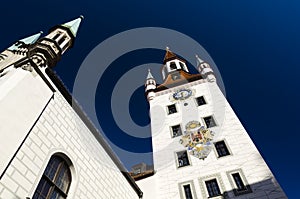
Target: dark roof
x=184, y=78
x=143, y=175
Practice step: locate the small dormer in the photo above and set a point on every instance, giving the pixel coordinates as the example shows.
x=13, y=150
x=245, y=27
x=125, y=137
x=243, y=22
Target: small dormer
x=172, y=63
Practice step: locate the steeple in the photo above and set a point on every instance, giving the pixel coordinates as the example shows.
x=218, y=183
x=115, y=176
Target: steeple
x=172, y=63
x=17, y=51
x=205, y=69
x=74, y=25
x=169, y=55
x=150, y=86
x=27, y=41
x=149, y=76
x=59, y=39
x=65, y=34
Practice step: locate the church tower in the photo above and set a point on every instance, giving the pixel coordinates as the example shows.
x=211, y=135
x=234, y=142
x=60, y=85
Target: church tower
x=49, y=147
x=200, y=148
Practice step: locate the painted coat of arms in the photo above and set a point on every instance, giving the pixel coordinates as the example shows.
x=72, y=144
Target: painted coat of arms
x=197, y=139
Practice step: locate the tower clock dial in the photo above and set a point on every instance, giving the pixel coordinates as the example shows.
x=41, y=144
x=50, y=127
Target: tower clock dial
x=182, y=94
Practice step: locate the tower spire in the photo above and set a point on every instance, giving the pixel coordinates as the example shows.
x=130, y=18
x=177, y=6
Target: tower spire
x=150, y=86
x=199, y=60
x=59, y=39
x=172, y=63
x=205, y=70
x=149, y=76
x=17, y=51
x=28, y=40
x=169, y=55
x=74, y=25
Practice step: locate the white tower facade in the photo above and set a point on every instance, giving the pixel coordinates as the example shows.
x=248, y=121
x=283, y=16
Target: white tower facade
x=200, y=148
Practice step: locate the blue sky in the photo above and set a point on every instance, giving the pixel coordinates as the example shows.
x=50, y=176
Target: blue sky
x=255, y=45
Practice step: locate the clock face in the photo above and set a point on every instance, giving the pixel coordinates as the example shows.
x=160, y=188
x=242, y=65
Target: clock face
x=182, y=94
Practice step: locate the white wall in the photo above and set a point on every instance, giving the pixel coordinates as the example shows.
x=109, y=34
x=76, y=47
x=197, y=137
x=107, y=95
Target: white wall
x=60, y=130
x=244, y=155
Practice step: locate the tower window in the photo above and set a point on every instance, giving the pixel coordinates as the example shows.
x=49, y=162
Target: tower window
x=182, y=159
x=55, y=181
x=238, y=182
x=173, y=66
x=172, y=109
x=200, y=101
x=221, y=149
x=61, y=40
x=213, y=188
x=176, y=131
x=187, y=191
x=209, y=121
x=56, y=36
x=181, y=65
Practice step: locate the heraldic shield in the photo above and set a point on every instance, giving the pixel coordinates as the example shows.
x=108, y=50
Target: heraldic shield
x=197, y=139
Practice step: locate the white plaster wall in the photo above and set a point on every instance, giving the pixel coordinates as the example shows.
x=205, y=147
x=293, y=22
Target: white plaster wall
x=149, y=187
x=244, y=154
x=60, y=130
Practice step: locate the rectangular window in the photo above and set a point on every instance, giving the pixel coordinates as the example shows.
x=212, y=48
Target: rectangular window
x=172, y=109
x=187, y=192
x=200, y=101
x=213, y=188
x=239, y=182
x=183, y=159
x=173, y=66
x=176, y=131
x=209, y=121
x=221, y=148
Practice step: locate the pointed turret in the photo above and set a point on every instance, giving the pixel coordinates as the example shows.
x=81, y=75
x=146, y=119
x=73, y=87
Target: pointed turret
x=205, y=70
x=17, y=51
x=169, y=55
x=74, y=25
x=26, y=41
x=149, y=76
x=172, y=63
x=59, y=39
x=150, y=86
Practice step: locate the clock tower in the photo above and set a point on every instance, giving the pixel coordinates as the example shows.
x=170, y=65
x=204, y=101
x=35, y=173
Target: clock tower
x=200, y=148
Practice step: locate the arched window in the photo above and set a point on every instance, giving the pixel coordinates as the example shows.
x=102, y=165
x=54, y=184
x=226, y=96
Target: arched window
x=56, y=180
x=173, y=66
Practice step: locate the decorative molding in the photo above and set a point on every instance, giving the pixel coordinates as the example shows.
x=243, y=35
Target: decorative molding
x=186, y=85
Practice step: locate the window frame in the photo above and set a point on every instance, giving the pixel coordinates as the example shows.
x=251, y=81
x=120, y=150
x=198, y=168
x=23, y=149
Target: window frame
x=64, y=163
x=171, y=130
x=236, y=191
x=213, y=118
x=219, y=180
x=168, y=110
x=172, y=64
x=226, y=145
x=196, y=101
x=182, y=191
x=177, y=161
x=214, y=180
